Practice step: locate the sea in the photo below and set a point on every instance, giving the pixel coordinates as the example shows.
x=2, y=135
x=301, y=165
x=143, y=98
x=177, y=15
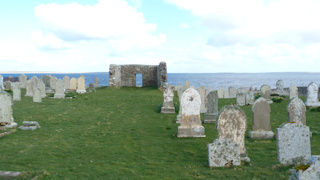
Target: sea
x=209, y=80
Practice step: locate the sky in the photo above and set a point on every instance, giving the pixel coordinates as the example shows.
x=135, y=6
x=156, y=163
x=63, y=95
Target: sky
x=191, y=36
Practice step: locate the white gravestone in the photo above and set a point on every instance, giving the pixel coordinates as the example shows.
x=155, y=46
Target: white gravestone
x=168, y=95
x=312, y=97
x=23, y=81
x=241, y=99
x=293, y=92
x=6, y=104
x=311, y=173
x=232, y=92
x=53, y=81
x=180, y=92
x=66, y=82
x=81, y=85
x=16, y=92
x=203, y=94
x=1, y=82
x=296, y=111
x=221, y=93
x=30, y=88
x=73, y=84
x=37, y=95
x=59, y=89
x=42, y=88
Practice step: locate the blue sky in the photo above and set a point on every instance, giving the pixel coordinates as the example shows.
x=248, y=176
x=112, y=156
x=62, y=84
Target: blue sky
x=203, y=36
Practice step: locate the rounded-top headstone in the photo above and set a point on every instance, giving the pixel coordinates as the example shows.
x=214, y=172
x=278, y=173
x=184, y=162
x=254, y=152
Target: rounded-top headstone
x=312, y=97
x=261, y=115
x=297, y=111
x=279, y=86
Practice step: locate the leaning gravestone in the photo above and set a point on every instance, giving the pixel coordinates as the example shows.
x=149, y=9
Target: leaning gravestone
x=293, y=142
x=168, y=95
x=23, y=81
x=190, y=122
x=220, y=93
x=66, y=82
x=312, y=97
x=297, y=111
x=241, y=99
x=279, y=86
x=203, y=94
x=293, y=92
x=16, y=92
x=232, y=124
x=223, y=153
x=96, y=82
x=59, y=89
x=53, y=81
x=6, y=105
x=81, y=85
x=42, y=88
x=73, y=84
x=212, y=112
x=265, y=93
x=37, y=96
x=261, y=120
x=250, y=97
x=46, y=80
x=232, y=92
x=30, y=88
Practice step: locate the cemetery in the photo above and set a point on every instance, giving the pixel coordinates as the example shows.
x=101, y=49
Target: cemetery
x=117, y=132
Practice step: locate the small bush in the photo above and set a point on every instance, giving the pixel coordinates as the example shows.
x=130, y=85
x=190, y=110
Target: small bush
x=277, y=99
x=71, y=94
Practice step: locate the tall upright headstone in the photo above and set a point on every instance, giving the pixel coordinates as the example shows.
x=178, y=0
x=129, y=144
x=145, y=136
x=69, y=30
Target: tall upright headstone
x=232, y=92
x=232, y=124
x=190, y=123
x=81, y=85
x=37, y=95
x=30, y=88
x=73, y=84
x=23, y=81
x=92, y=88
x=53, y=81
x=59, y=89
x=8, y=85
x=1, y=82
x=34, y=79
x=10, y=78
x=312, y=97
x=261, y=128
x=212, y=110
x=250, y=97
x=241, y=99
x=6, y=105
x=96, y=82
x=293, y=142
x=180, y=92
x=296, y=111
x=16, y=92
x=226, y=94
x=279, y=86
x=46, y=80
x=265, y=93
x=220, y=93
x=293, y=92
x=168, y=95
x=66, y=82
x=42, y=88
x=203, y=95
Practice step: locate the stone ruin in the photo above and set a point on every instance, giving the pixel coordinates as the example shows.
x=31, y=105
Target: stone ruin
x=125, y=75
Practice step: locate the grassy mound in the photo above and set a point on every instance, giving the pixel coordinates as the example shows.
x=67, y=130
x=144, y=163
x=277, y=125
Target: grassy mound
x=116, y=133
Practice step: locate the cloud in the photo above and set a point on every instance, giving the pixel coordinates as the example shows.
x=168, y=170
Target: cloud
x=114, y=21
x=48, y=41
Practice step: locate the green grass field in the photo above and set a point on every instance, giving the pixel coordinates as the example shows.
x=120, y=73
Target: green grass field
x=117, y=134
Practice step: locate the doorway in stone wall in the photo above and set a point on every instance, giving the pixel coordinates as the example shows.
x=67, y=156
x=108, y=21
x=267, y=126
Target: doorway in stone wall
x=139, y=80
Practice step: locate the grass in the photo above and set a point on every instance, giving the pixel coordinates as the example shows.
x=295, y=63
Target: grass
x=117, y=134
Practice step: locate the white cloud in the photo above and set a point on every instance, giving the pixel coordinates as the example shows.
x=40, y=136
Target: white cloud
x=48, y=41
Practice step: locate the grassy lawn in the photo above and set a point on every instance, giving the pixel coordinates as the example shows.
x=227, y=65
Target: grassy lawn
x=116, y=134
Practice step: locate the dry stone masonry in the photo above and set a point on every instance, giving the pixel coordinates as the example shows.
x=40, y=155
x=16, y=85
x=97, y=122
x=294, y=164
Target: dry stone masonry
x=297, y=111
x=212, y=112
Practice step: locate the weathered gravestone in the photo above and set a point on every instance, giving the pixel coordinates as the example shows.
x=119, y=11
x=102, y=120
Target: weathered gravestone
x=311, y=173
x=190, y=123
x=279, y=86
x=59, y=89
x=180, y=92
x=212, y=112
x=34, y=79
x=42, y=88
x=168, y=95
x=265, y=93
x=29, y=125
x=23, y=80
x=30, y=88
x=66, y=82
x=220, y=93
x=81, y=85
x=96, y=82
x=293, y=142
x=297, y=111
x=8, y=85
x=226, y=94
x=232, y=124
x=73, y=84
x=83, y=77
x=92, y=88
x=37, y=95
x=312, y=97
x=46, y=80
x=242, y=90
x=261, y=120
x=1, y=82
x=223, y=153
x=250, y=97
x=241, y=99
x=6, y=104
x=232, y=92
x=16, y=92
x=203, y=94
x=293, y=92
x=177, y=87
x=53, y=81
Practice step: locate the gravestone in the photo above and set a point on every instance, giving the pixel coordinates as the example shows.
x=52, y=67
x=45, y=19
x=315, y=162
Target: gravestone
x=261, y=128
x=42, y=88
x=53, y=81
x=8, y=85
x=190, y=123
x=10, y=78
x=312, y=97
x=232, y=124
x=250, y=97
x=296, y=111
x=37, y=95
x=224, y=153
x=1, y=82
x=242, y=90
x=220, y=93
x=46, y=81
x=81, y=85
x=212, y=112
x=23, y=80
x=180, y=92
x=66, y=82
x=265, y=93
x=187, y=84
x=232, y=92
x=34, y=79
x=293, y=92
x=311, y=173
x=29, y=125
x=203, y=94
x=241, y=99
x=92, y=88
x=73, y=84
x=6, y=105
x=168, y=95
x=83, y=77
x=226, y=94
x=96, y=82
x=59, y=89
x=30, y=88
x=293, y=142
x=16, y=92
x=279, y=86
x=177, y=87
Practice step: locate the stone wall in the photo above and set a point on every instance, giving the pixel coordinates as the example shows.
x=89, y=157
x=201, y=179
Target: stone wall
x=125, y=75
